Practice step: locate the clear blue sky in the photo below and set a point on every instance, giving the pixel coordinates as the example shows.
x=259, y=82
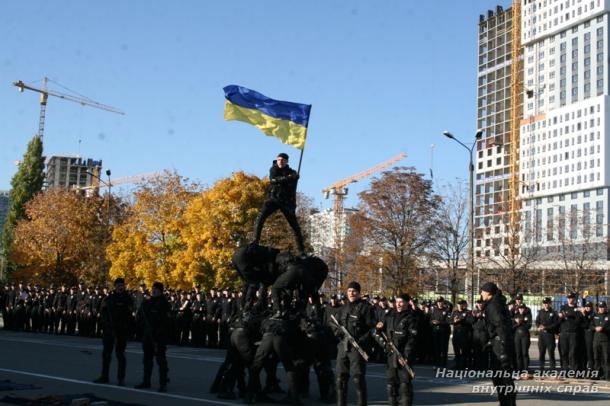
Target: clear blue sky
x=382, y=76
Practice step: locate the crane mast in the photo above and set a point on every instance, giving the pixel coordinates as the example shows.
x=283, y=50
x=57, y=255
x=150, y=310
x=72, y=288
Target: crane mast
x=515, y=116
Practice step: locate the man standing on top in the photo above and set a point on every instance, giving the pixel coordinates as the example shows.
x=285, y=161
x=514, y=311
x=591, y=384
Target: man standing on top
x=283, y=197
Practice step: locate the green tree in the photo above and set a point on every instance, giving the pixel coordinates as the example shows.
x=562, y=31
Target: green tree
x=26, y=183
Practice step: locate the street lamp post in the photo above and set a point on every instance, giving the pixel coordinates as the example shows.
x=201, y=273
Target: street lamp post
x=109, y=186
x=470, y=150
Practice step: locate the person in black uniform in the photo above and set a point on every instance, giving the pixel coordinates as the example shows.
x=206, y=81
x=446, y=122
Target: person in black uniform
x=213, y=317
x=439, y=320
x=586, y=337
x=399, y=326
x=480, y=351
x=358, y=318
x=569, y=321
x=60, y=303
x=522, y=323
x=601, y=340
x=283, y=197
x=71, y=311
x=115, y=313
x=227, y=306
x=198, y=325
x=547, y=323
x=499, y=328
x=462, y=320
x=154, y=317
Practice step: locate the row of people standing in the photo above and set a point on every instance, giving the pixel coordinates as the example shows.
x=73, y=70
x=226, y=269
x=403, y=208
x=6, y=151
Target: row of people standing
x=196, y=318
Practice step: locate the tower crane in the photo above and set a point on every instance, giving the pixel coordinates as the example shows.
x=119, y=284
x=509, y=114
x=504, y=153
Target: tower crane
x=44, y=96
x=339, y=190
x=121, y=181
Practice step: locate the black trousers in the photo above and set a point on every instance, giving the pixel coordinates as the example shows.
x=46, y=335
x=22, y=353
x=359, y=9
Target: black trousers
x=399, y=386
x=462, y=341
x=502, y=380
x=546, y=343
x=269, y=345
x=601, y=353
x=117, y=341
x=155, y=349
x=522, y=347
x=350, y=362
x=568, y=350
x=440, y=340
x=270, y=207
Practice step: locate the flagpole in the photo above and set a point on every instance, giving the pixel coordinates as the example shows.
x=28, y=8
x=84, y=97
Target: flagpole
x=303, y=150
x=300, y=160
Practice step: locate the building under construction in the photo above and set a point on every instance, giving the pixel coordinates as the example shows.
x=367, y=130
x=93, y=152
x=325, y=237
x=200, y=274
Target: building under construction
x=543, y=164
x=71, y=171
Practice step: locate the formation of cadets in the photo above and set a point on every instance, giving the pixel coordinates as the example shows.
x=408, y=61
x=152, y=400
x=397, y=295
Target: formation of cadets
x=196, y=318
x=215, y=319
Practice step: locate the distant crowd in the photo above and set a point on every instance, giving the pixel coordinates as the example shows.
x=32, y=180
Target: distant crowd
x=203, y=319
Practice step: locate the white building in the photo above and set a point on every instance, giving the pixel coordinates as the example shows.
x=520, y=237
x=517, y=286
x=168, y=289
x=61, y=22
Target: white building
x=564, y=155
x=322, y=232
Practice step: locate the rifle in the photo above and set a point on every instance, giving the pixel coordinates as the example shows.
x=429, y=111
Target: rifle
x=401, y=360
x=351, y=339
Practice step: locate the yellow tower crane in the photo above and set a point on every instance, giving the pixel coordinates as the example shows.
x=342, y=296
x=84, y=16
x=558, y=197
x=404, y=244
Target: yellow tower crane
x=516, y=114
x=44, y=96
x=339, y=190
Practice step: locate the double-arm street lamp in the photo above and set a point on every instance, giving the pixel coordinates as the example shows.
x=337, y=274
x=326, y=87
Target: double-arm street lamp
x=470, y=150
x=108, y=185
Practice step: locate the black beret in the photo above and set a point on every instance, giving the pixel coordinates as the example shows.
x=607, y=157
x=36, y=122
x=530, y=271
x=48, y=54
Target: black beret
x=283, y=155
x=440, y=299
x=571, y=295
x=547, y=300
x=601, y=304
x=490, y=287
x=519, y=297
x=118, y=281
x=404, y=296
x=462, y=302
x=157, y=285
x=354, y=285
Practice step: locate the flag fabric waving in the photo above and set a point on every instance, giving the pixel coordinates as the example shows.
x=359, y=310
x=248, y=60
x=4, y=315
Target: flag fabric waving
x=281, y=119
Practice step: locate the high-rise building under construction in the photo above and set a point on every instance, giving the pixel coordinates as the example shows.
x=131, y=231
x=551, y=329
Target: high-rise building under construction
x=547, y=160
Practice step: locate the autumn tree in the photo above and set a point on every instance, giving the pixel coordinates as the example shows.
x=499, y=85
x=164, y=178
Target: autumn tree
x=395, y=224
x=449, y=244
x=61, y=239
x=217, y=221
x=150, y=243
x=26, y=183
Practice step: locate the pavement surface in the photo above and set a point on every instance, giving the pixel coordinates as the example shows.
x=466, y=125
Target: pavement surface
x=38, y=365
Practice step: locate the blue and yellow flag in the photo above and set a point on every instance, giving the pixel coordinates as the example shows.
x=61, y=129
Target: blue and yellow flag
x=281, y=119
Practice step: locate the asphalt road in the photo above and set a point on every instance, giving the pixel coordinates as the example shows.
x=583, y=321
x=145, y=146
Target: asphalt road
x=63, y=366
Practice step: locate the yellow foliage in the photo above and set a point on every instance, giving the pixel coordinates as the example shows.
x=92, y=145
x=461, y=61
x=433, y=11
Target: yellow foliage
x=61, y=239
x=148, y=245
x=217, y=220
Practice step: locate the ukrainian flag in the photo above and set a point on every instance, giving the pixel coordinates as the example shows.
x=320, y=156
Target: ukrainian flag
x=281, y=119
